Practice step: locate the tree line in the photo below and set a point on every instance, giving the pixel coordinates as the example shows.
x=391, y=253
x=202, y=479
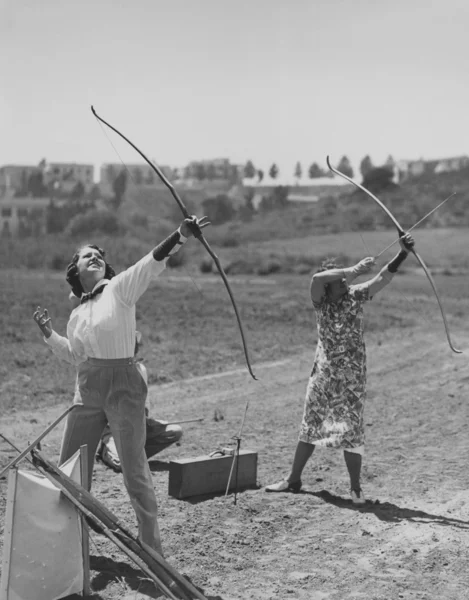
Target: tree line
x=315, y=171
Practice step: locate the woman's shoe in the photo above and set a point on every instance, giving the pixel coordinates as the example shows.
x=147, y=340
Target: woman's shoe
x=358, y=498
x=285, y=486
x=107, y=454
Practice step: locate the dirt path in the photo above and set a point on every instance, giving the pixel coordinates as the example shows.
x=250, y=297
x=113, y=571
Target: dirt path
x=411, y=540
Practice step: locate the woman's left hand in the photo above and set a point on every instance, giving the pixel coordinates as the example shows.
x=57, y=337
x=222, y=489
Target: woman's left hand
x=43, y=321
x=193, y=226
x=365, y=265
x=406, y=242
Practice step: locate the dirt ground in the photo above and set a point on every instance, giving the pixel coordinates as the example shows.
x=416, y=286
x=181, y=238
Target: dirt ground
x=410, y=541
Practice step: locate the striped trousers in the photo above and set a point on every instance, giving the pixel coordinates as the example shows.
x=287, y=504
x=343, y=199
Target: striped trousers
x=113, y=391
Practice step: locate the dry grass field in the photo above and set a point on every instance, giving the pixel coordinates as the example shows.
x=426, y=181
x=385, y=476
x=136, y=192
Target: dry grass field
x=410, y=541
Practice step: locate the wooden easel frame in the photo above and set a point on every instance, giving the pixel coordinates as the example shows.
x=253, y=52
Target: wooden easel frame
x=9, y=518
x=85, y=537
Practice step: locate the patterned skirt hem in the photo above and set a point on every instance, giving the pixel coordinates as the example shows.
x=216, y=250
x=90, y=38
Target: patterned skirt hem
x=322, y=443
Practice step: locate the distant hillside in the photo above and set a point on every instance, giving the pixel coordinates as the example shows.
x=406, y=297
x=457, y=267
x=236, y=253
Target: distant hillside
x=355, y=211
x=148, y=215
x=350, y=210
x=412, y=200
x=157, y=203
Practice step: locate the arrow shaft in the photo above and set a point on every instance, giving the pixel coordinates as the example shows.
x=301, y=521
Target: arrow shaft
x=417, y=224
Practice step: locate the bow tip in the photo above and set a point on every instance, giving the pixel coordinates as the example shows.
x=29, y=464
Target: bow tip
x=93, y=110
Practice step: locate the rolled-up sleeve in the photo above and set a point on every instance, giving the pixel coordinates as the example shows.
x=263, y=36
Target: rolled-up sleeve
x=62, y=348
x=134, y=281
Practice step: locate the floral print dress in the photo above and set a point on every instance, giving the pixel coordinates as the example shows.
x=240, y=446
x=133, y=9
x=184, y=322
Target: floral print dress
x=335, y=395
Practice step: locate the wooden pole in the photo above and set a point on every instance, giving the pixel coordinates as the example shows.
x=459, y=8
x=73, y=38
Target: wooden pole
x=85, y=537
x=20, y=457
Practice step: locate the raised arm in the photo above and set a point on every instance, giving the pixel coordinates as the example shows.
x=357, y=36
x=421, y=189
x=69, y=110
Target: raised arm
x=59, y=345
x=321, y=280
x=387, y=273
x=134, y=281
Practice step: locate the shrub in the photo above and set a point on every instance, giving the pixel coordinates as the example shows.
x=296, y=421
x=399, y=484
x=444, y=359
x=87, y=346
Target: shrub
x=240, y=267
x=58, y=262
x=302, y=269
x=206, y=265
x=268, y=268
x=94, y=220
x=177, y=260
x=230, y=241
x=379, y=179
x=219, y=209
x=139, y=220
x=33, y=260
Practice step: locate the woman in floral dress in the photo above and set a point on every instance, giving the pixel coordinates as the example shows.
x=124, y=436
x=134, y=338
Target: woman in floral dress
x=336, y=391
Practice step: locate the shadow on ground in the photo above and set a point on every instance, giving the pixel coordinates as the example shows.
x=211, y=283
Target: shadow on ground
x=157, y=466
x=106, y=571
x=205, y=497
x=387, y=511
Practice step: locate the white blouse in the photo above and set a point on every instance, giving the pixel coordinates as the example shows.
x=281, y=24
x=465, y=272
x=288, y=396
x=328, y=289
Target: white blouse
x=104, y=327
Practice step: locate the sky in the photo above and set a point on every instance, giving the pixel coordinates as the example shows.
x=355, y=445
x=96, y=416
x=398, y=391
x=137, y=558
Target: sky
x=263, y=80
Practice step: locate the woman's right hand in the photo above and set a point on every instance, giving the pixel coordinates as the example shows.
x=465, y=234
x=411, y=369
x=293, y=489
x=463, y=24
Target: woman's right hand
x=406, y=242
x=193, y=226
x=43, y=321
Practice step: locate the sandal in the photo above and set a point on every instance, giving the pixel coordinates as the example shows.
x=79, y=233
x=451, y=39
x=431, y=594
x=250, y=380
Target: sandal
x=285, y=486
x=358, y=498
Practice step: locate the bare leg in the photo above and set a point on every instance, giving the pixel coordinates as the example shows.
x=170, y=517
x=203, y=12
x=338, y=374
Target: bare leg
x=292, y=483
x=302, y=454
x=354, y=466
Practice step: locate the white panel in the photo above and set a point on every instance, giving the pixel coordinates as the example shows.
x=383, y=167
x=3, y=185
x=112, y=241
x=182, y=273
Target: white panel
x=45, y=557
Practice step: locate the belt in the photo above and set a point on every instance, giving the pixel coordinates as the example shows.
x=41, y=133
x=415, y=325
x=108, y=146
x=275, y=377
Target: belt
x=111, y=362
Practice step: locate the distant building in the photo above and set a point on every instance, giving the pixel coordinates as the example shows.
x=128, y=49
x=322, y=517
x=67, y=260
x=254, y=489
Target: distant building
x=14, y=178
x=23, y=216
x=456, y=163
x=66, y=175
x=138, y=174
x=299, y=189
x=410, y=168
x=215, y=168
x=417, y=168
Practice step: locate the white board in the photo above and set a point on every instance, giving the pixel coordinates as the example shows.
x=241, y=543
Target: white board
x=42, y=552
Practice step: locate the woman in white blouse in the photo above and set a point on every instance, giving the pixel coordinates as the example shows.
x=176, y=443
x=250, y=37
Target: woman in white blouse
x=101, y=341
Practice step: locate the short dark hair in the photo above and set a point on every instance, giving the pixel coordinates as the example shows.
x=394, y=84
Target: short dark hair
x=72, y=276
